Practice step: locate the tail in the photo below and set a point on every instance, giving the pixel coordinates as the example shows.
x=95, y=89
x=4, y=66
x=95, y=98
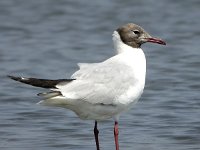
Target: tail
x=43, y=83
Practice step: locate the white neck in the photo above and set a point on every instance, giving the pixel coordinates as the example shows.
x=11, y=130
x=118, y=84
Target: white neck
x=119, y=46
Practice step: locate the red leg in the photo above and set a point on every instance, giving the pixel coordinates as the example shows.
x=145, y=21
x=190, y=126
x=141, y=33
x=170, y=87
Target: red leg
x=116, y=133
x=96, y=132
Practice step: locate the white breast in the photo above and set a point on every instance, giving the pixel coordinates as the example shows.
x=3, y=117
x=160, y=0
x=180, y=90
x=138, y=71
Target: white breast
x=135, y=58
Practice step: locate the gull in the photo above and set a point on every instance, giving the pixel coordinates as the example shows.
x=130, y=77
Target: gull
x=100, y=91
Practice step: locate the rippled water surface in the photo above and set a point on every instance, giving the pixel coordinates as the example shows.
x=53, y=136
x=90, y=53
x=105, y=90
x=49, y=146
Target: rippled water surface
x=47, y=38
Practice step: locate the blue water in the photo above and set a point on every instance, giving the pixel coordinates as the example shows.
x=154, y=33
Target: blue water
x=47, y=38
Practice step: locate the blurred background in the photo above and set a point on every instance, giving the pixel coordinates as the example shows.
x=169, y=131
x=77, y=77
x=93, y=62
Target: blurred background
x=47, y=38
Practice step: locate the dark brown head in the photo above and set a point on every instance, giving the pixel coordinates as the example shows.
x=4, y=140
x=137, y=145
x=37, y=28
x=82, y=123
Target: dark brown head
x=134, y=36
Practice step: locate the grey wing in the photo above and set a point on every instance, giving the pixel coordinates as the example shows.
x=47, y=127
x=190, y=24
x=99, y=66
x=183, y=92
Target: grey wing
x=98, y=83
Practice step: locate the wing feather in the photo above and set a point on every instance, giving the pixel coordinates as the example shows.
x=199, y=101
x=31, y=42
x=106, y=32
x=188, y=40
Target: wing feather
x=94, y=81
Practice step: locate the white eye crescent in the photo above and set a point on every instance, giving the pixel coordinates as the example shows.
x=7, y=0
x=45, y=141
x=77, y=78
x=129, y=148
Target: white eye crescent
x=136, y=32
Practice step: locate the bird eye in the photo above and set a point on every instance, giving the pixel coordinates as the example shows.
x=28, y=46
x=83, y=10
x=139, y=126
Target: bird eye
x=136, y=32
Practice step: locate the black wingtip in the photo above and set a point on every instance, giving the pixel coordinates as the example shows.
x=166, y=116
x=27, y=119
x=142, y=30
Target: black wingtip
x=14, y=78
x=43, y=83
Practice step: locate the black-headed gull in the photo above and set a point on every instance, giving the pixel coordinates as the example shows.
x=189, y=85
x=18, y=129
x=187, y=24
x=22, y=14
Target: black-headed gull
x=104, y=90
